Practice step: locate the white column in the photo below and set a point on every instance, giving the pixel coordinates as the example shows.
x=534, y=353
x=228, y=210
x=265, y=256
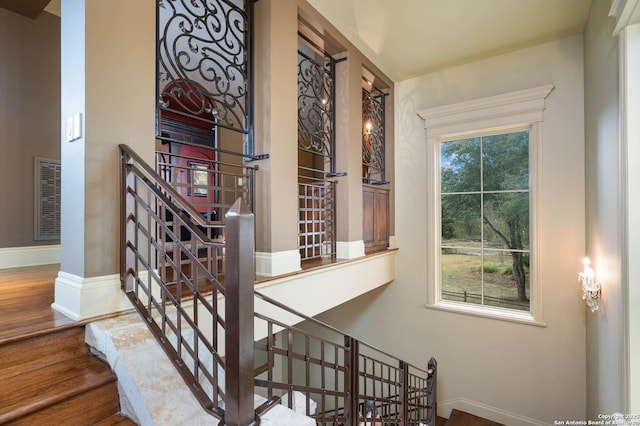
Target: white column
x=108, y=83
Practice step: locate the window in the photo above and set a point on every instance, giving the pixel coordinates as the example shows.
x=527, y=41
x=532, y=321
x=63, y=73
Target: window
x=484, y=220
x=483, y=157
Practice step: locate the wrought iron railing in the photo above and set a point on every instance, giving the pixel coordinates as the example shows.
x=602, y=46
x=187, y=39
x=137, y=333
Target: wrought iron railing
x=210, y=186
x=168, y=268
x=316, y=219
x=334, y=378
x=316, y=150
x=209, y=328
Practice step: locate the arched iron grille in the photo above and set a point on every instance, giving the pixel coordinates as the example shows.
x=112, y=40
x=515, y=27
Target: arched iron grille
x=316, y=101
x=373, y=136
x=204, y=69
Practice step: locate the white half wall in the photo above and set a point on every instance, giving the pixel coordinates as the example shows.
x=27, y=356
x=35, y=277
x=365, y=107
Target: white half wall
x=318, y=290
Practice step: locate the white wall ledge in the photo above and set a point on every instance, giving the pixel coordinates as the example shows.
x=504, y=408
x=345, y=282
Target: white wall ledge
x=316, y=290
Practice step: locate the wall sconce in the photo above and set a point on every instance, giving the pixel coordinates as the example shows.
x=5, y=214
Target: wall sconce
x=367, y=127
x=590, y=287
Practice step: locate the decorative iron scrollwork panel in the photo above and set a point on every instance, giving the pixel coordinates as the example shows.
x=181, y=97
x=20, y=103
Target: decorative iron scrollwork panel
x=203, y=63
x=315, y=105
x=373, y=137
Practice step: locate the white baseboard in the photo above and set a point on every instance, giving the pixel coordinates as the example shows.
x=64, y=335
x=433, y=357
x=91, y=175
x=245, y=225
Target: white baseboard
x=278, y=263
x=81, y=298
x=393, y=243
x=349, y=249
x=486, y=411
x=17, y=257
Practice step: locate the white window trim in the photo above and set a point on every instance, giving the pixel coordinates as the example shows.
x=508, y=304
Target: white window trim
x=502, y=113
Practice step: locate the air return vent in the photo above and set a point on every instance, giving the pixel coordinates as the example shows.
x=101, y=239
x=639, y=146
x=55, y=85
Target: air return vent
x=47, y=202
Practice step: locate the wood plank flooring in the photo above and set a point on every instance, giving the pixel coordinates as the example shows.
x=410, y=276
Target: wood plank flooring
x=461, y=418
x=44, y=386
x=26, y=295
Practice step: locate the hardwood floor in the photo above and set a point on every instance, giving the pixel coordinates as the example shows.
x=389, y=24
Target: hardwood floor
x=26, y=295
x=49, y=374
x=461, y=418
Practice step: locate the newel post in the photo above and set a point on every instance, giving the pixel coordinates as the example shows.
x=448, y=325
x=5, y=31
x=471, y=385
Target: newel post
x=239, y=281
x=352, y=381
x=432, y=387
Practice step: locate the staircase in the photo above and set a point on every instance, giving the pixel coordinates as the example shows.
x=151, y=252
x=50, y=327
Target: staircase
x=214, y=333
x=51, y=378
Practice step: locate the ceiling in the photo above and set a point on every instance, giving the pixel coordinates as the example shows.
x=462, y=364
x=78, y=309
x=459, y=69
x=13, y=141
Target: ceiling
x=29, y=8
x=407, y=38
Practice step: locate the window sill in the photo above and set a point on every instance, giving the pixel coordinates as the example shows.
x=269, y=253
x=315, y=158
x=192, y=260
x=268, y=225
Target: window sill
x=487, y=312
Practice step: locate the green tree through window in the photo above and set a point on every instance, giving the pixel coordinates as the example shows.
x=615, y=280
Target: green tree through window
x=485, y=243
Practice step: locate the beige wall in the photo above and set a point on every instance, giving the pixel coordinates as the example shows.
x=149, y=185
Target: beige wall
x=537, y=373
x=603, y=218
x=632, y=132
x=276, y=126
x=520, y=374
x=29, y=117
x=109, y=69
x=108, y=62
x=611, y=217
x=534, y=372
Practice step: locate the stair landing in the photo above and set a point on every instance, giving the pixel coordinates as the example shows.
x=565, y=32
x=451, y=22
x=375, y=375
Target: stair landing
x=461, y=418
